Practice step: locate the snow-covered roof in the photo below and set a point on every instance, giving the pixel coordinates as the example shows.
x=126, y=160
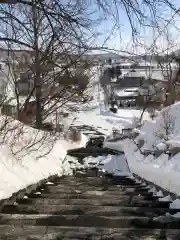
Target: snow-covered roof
x=145, y=63
x=126, y=64
x=156, y=74
x=134, y=91
x=123, y=93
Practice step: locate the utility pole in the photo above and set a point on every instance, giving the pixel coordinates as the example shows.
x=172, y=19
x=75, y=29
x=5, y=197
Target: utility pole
x=37, y=66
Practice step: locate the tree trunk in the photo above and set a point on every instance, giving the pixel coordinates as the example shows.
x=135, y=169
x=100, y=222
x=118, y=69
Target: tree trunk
x=37, y=73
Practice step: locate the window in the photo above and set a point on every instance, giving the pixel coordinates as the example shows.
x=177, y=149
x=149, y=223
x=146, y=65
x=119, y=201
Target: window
x=8, y=110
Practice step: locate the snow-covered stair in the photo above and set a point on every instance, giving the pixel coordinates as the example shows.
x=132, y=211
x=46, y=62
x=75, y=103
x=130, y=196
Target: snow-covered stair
x=87, y=207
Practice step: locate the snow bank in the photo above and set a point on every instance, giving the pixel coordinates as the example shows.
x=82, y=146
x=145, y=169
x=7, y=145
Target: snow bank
x=28, y=155
x=158, y=134
x=117, y=145
x=166, y=126
x=161, y=146
x=115, y=164
x=168, y=198
x=161, y=171
x=175, y=204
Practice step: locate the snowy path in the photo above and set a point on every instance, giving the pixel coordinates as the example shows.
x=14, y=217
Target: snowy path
x=105, y=121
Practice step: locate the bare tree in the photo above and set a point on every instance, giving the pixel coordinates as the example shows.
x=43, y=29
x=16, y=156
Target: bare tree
x=166, y=82
x=56, y=35
x=55, y=41
x=167, y=126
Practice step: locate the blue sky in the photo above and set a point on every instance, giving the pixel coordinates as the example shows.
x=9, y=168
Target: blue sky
x=167, y=36
x=121, y=38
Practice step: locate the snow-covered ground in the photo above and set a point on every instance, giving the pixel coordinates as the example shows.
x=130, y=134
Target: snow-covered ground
x=161, y=171
x=116, y=165
x=28, y=156
x=105, y=121
x=161, y=133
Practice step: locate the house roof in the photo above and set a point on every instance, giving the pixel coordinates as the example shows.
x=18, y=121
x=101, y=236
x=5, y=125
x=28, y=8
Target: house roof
x=124, y=93
x=155, y=74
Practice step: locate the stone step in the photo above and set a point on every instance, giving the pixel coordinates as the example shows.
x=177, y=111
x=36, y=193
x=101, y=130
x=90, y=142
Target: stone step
x=118, y=188
x=107, y=176
x=84, y=220
x=91, y=184
x=97, y=202
x=93, y=195
x=65, y=189
x=83, y=209
x=88, y=233
x=115, y=236
x=95, y=182
x=90, y=194
x=87, y=207
x=87, y=237
x=87, y=178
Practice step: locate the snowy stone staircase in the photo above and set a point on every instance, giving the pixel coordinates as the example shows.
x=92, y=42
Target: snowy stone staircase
x=87, y=207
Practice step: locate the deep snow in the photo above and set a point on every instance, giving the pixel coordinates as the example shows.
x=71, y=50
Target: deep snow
x=105, y=121
x=164, y=127
x=28, y=156
x=161, y=133
x=115, y=164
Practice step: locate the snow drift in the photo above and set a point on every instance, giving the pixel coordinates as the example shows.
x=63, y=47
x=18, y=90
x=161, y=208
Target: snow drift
x=164, y=127
x=29, y=155
x=161, y=133
x=115, y=164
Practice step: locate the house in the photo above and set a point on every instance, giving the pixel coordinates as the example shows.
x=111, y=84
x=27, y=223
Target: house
x=27, y=114
x=130, y=81
x=10, y=107
x=16, y=54
x=25, y=84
